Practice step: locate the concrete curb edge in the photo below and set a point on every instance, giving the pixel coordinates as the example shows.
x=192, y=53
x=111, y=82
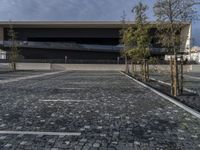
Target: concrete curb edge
x=172, y=100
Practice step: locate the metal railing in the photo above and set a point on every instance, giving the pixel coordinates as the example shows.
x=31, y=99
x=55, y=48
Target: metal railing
x=69, y=61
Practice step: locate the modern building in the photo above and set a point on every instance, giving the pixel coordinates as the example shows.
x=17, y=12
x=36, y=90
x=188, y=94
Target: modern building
x=75, y=40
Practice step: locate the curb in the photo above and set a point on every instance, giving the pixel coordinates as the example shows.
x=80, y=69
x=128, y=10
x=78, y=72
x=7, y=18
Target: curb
x=166, y=83
x=172, y=100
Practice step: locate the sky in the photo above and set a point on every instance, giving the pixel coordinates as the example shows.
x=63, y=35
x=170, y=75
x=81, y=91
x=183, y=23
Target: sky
x=80, y=10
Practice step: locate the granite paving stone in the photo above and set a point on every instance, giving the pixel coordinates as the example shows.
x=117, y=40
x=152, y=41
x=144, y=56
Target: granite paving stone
x=109, y=110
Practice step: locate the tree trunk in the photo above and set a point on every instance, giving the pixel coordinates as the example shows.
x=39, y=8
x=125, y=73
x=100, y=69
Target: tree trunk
x=147, y=64
x=142, y=70
x=172, y=74
x=13, y=64
x=176, y=82
x=145, y=71
x=181, y=76
x=126, y=65
x=133, y=68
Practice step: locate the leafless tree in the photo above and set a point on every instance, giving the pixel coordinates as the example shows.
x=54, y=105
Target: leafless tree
x=14, y=52
x=123, y=36
x=172, y=15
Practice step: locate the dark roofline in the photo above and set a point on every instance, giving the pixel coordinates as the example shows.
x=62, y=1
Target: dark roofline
x=64, y=24
x=69, y=24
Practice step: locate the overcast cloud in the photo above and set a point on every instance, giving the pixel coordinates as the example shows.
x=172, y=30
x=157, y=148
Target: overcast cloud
x=63, y=9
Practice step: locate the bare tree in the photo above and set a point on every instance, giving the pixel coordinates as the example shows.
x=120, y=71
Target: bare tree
x=172, y=15
x=14, y=52
x=123, y=41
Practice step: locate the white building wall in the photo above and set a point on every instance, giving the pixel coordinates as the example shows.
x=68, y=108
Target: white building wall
x=195, y=57
x=186, y=37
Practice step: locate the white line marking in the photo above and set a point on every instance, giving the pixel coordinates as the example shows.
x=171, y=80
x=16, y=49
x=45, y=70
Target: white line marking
x=29, y=77
x=90, y=83
x=70, y=88
x=64, y=100
x=192, y=77
x=82, y=83
x=166, y=83
x=90, y=76
x=186, y=108
x=41, y=133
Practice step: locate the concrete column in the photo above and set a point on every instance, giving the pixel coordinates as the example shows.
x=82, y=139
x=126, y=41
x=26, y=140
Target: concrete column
x=186, y=35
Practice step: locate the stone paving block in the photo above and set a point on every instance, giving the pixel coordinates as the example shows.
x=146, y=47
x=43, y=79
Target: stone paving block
x=117, y=114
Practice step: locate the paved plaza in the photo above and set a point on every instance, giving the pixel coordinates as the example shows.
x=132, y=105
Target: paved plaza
x=90, y=110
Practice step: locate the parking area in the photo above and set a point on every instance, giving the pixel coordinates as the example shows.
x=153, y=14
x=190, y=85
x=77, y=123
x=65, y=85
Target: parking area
x=6, y=75
x=91, y=110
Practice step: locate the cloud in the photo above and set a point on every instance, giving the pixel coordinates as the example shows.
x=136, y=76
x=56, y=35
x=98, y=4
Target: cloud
x=63, y=9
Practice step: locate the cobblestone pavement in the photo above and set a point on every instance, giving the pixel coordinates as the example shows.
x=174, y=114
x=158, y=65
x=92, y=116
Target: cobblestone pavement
x=104, y=110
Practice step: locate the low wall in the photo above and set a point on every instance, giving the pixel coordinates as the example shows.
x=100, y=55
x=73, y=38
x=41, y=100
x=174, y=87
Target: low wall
x=115, y=67
x=103, y=67
x=4, y=67
x=166, y=68
x=33, y=66
x=27, y=66
x=112, y=67
x=195, y=68
x=96, y=67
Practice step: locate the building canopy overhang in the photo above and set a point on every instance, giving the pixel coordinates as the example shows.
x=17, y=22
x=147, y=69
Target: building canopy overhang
x=72, y=24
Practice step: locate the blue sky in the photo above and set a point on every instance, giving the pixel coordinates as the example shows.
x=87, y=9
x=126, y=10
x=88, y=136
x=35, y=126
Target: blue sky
x=75, y=10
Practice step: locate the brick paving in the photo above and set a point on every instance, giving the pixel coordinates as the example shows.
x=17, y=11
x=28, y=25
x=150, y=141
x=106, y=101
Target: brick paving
x=107, y=110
